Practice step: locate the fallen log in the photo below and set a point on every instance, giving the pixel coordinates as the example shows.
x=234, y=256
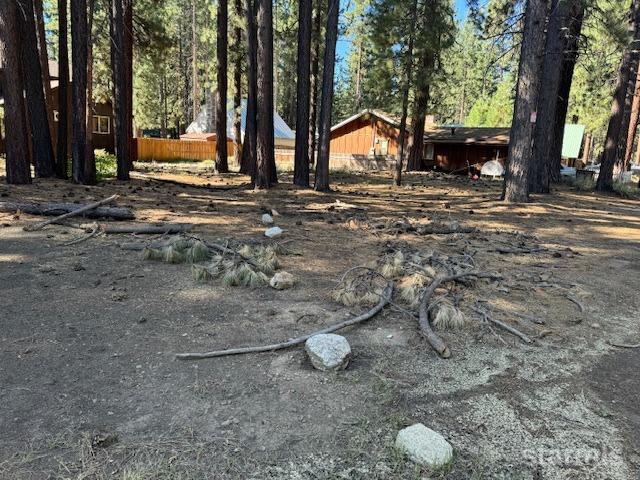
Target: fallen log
x=56, y=209
x=72, y=213
x=147, y=229
x=384, y=300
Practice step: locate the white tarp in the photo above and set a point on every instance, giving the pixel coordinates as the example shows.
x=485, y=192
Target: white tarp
x=205, y=122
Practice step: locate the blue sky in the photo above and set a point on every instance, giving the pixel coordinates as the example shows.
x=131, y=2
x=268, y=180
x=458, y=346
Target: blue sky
x=342, y=47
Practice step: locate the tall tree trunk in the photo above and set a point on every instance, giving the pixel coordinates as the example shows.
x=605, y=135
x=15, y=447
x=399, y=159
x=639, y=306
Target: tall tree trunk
x=38, y=118
x=119, y=64
x=249, y=155
x=620, y=165
x=90, y=159
x=544, y=132
x=331, y=37
x=405, y=96
x=44, y=63
x=301, y=164
x=554, y=162
x=237, y=84
x=612, y=139
x=222, y=19
x=314, y=80
x=195, y=97
x=128, y=77
x=516, y=183
x=421, y=102
x=18, y=168
x=79, y=53
x=62, y=153
x=633, y=123
x=265, y=142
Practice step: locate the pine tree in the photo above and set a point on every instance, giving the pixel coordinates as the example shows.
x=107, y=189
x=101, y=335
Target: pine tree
x=331, y=37
x=301, y=162
x=265, y=160
x=628, y=65
x=36, y=105
x=516, y=183
x=62, y=153
x=12, y=83
x=221, y=91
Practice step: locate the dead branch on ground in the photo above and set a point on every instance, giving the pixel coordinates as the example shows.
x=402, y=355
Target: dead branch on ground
x=73, y=213
x=384, y=299
x=56, y=209
x=514, y=331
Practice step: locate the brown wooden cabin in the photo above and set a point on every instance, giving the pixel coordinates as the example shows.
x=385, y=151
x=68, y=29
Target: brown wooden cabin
x=464, y=149
x=369, y=139
x=103, y=136
x=369, y=133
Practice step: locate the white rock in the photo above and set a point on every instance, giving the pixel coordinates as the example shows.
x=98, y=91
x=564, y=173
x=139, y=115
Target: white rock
x=273, y=232
x=328, y=351
x=424, y=446
x=267, y=219
x=282, y=280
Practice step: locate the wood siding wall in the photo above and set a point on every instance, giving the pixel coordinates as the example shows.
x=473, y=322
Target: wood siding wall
x=364, y=136
x=458, y=157
x=162, y=150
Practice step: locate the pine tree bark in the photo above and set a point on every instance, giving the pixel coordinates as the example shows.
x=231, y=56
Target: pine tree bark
x=222, y=19
x=614, y=129
x=120, y=64
x=314, y=80
x=195, y=88
x=249, y=155
x=620, y=165
x=62, y=153
x=90, y=159
x=420, y=106
x=79, y=53
x=237, y=84
x=633, y=123
x=18, y=169
x=405, y=96
x=265, y=160
x=544, y=131
x=44, y=64
x=331, y=37
x=36, y=105
x=301, y=163
x=516, y=183
x=554, y=162
x=128, y=77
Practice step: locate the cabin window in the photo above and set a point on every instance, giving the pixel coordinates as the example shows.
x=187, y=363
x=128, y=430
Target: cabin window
x=101, y=125
x=384, y=147
x=428, y=151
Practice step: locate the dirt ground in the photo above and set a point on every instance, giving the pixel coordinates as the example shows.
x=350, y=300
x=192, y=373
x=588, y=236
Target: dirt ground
x=90, y=388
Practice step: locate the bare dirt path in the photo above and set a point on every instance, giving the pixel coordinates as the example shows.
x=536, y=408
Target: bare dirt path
x=90, y=388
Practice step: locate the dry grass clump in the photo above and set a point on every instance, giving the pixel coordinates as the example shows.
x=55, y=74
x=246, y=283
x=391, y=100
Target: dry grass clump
x=446, y=315
x=392, y=265
x=356, y=292
x=410, y=288
x=179, y=250
x=250, y=266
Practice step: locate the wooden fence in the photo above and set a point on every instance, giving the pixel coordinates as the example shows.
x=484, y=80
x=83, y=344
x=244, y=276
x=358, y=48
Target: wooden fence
x=165, y=150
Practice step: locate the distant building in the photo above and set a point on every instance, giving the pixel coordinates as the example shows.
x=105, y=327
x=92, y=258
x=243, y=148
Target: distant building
x=369, y=141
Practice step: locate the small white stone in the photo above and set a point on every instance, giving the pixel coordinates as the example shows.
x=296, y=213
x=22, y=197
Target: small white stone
x=282, y=280
x=424, y=446
x=267, y=219
x=273, y=232
x=328, y=351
